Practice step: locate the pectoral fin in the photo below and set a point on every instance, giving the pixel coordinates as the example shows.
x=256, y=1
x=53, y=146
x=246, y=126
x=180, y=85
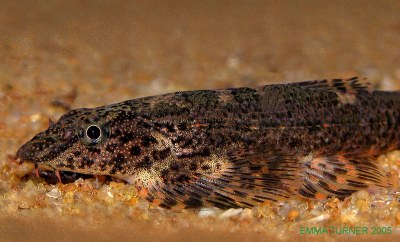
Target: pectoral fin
x=251, y=178
x=339, y=176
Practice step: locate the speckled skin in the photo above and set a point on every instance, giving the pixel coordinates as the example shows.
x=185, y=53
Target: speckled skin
x=233, y=147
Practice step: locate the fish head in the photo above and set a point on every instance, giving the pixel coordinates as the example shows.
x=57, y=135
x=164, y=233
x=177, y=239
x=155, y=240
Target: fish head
x=100, y=141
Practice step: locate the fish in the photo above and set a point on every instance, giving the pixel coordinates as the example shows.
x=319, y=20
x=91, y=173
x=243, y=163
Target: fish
x=234, y=147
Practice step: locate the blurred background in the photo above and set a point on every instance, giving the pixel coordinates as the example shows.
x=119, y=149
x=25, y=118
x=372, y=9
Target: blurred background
x=139, y=48
x=60, y=54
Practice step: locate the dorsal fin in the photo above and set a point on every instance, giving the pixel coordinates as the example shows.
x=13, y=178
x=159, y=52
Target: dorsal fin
x=343, y=86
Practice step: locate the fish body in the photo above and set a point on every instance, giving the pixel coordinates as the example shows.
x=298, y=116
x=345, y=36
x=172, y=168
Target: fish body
x=235, y=147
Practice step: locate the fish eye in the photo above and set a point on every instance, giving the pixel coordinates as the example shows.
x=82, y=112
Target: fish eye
x=93, y=132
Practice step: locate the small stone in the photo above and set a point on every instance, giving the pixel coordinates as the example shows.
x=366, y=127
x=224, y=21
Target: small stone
x=293, y=215
x=231, y=213
x=332, y=203
x=265, y=212
x=54, y=193
x=363, y=194
x=69, y=197
x=207, y=212
x=247, y=214
x=320, y=218
x=79, y=182
x=349, y=216
x=105, y=194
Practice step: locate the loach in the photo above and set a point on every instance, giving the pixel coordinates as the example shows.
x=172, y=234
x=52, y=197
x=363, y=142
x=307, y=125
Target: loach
x=235, y=147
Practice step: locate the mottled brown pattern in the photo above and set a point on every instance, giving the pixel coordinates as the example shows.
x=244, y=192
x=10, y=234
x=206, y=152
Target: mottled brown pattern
x=233, y=147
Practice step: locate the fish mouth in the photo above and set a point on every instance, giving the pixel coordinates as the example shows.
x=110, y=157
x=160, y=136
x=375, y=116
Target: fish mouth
x=40, y=149
x=41, y=153
x=22, y=155
x=47, y=173
x=27, y=153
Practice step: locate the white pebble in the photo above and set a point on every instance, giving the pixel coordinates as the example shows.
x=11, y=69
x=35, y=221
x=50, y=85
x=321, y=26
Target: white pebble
x=320, y=218
x=207, y=212
x=110, y=194
x=54, y=193
x=231, y=212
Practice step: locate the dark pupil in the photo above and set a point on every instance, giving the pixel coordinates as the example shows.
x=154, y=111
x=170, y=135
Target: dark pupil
x=93, y=132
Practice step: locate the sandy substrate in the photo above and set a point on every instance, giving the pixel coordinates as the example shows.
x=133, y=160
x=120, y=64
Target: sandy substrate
x=90, y=53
